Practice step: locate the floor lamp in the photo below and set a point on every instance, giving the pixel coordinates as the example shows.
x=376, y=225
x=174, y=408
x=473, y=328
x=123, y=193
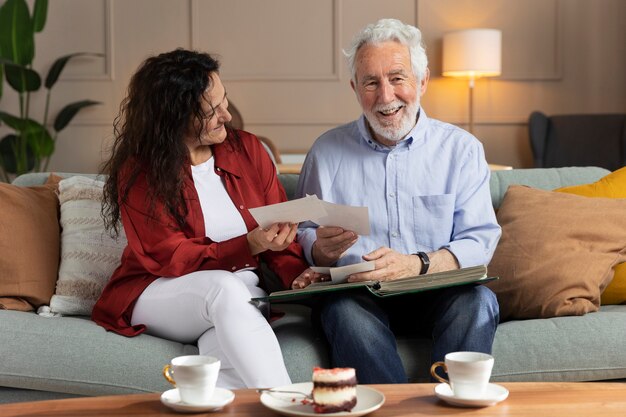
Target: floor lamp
x=472, y=53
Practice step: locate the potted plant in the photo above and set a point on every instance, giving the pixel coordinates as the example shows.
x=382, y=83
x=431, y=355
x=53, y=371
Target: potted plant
x=31, y=144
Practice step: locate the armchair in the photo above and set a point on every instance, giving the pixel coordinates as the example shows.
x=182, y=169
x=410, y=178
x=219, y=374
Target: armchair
x=578, y=140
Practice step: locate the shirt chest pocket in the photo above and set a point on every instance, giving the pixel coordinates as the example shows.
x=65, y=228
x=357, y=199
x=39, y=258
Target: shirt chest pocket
x=433, y=217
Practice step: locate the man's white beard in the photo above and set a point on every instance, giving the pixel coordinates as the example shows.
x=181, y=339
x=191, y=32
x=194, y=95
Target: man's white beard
x=391, y=132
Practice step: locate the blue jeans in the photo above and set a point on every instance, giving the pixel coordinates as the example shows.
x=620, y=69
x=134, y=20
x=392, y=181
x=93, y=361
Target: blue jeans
x=360, y=327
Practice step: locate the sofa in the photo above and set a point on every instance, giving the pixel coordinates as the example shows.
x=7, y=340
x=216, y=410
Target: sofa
x=69, y=356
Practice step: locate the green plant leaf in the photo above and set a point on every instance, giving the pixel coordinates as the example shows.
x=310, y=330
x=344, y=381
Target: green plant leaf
x=17, y=38
x=66, y=115
x=59, y=64
x=40, y=13
x=33, y=132
x=39, y=140
x=22, y=79
x=13, y=122
x=9, y=153
x=1, y=67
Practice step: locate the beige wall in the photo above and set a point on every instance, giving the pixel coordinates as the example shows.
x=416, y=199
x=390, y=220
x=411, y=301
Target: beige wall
x=283, y=67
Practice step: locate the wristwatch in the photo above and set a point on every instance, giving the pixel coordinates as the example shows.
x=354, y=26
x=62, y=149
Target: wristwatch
x=425, y=262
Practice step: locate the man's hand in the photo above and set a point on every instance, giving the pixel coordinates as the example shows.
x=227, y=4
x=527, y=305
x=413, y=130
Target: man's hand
x=307, y=277
x=389, y=265
x=331, y=243
x=275, y=238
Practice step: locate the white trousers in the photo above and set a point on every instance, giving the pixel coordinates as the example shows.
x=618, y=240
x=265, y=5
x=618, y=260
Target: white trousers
x=214, y=309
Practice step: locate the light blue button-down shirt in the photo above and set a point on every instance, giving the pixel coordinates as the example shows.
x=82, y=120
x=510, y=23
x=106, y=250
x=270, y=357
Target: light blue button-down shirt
x=430, y=191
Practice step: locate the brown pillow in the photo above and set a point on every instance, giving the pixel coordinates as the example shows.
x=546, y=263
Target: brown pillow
x=53, y=181
x=29, y=246
x=556, y=253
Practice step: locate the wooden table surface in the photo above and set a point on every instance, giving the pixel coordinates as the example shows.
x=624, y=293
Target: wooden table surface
x=526, y=399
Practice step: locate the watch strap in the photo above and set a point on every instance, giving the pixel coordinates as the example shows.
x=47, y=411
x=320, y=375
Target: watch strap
x=425, y=262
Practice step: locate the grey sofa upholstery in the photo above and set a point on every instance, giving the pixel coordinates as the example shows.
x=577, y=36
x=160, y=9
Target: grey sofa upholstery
x=55, y=357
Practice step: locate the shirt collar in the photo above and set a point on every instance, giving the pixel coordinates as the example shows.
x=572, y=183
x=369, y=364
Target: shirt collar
x=226, y=159
x=415, y=135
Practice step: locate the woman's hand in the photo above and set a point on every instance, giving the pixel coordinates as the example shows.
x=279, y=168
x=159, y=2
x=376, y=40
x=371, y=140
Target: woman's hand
x=307, y=277
x=275, y=238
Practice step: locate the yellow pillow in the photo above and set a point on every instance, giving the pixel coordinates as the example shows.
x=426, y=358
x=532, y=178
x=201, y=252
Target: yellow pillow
x=611, y=186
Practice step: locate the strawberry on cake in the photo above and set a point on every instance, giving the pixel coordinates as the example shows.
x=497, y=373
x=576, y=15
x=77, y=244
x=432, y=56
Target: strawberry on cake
x=334, y=390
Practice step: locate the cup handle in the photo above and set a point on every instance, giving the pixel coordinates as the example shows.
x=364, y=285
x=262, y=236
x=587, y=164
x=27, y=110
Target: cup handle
x=434, y=374
x=166, y=373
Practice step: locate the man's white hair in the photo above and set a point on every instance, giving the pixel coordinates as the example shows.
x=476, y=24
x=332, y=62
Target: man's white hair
x=390, y=30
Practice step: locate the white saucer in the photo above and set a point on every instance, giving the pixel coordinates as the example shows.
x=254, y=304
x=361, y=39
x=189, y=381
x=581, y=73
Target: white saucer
x=495, y=393
x=367, y=400
x=221, y=397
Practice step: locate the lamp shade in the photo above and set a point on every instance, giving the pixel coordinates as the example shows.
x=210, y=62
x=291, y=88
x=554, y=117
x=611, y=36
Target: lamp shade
x=472, y=53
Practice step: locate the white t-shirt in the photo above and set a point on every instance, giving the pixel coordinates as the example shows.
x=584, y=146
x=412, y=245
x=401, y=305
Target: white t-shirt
x=222, y=220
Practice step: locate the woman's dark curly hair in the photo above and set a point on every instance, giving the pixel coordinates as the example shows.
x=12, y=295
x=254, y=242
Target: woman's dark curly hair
x=164, y=96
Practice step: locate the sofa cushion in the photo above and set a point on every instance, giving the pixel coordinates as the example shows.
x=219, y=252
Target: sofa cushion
x=75, y=355
x=610, y=186
x=581, y=348
x=29, y=244
x=556, y=252
x=88, y=253
x=301, y=346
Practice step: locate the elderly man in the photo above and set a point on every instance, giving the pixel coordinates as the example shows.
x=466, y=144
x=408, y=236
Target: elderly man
x=426, y=184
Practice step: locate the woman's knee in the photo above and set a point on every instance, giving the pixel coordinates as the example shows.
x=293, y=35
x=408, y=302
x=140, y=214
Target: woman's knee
x=222, y=287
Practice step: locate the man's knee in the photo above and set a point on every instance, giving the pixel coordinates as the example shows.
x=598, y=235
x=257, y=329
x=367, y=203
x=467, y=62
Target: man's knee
x=344, y=308
x=351, y=317
x=475, y=301
x=486, y=301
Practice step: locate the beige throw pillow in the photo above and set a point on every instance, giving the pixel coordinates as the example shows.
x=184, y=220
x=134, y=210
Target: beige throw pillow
x=557, y=252
x=88, y=254
x=29, y=246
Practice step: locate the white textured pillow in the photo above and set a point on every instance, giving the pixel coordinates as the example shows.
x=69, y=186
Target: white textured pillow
x=88, y=254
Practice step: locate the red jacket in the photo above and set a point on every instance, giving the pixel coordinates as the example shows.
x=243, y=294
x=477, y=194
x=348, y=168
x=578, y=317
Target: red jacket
x=155, y=249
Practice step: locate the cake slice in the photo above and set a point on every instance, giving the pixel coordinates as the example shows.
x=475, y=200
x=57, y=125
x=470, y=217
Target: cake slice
x=334, y=390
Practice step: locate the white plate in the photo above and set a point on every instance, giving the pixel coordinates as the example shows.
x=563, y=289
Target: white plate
x=495, y=393
x=367, y=400
x=221, y=397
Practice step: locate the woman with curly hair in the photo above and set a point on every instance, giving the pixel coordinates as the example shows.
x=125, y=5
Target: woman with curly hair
x=181, y=183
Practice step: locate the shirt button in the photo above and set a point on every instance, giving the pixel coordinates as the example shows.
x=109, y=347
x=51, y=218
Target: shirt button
x=392, y=195
x=233, y=268
x=218, y=169
x=241, y=207
x=394, y=234
x=247, y=265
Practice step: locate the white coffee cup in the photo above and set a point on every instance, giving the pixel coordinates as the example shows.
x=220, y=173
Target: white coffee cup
x=195, y=377
x=469, y=373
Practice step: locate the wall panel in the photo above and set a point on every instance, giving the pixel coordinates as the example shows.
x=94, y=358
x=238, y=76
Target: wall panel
x=266, y=46
x=283, y=66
